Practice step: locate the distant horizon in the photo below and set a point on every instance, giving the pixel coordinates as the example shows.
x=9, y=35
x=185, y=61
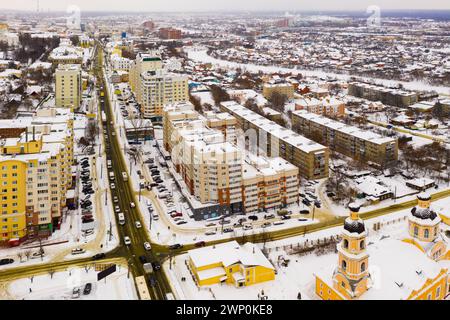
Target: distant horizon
x=194, y=6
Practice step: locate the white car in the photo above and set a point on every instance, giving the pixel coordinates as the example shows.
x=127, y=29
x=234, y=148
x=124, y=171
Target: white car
x=147, y=246
x=78, y=251
x=116, y=209
x=132, y=205
x=138, y=224
x=115, y=199
x=127, y=240
x=113, y=186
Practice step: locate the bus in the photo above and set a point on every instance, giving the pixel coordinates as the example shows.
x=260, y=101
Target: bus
x=121, y=218
x=142, y=288
x=124, y=176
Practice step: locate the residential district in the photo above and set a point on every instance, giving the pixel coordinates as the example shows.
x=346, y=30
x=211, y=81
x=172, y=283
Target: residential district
x=261, y=156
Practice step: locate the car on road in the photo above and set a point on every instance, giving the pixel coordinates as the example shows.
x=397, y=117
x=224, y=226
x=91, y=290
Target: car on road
x=143, y=259
x=147, y=246
x=200, y=244
x=132, y=205
x=115, y=199
x=138, y=225
x=6, y=261
x=116, y=209
x=99, y=256
x=127, y=240
x=156, y=266
x=87, y=289
x=175, y=246
x=152, y=281
x=113, y=186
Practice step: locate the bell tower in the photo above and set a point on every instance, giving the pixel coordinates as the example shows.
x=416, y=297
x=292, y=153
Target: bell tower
x=351, y=276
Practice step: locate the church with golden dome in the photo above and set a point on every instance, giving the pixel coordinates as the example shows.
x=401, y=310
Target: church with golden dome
x=413, y=267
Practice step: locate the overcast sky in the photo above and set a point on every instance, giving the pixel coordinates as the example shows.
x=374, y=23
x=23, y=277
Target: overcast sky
x=220, y=5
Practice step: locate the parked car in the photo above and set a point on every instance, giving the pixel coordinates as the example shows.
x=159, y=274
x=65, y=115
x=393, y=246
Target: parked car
x=132, y=205
x=76, y=292
x=127, y=240
x=269, y=216
x=78, y=251
x=147, y=246
x=179, y=223
x=87, y=289
x=304, y=211
x=266, y=224
x=247, y=227
x=253, y=218
x=6, y=261
x=138, y=225
x=227, y=230
x=285, y=217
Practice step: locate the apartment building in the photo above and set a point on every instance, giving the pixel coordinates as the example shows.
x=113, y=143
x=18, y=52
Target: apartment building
x=348, y=140
x=329, y=106
x=36, y=174
x=224, y=122
x=268, y=183
x=273, y=140
x=392, y=97
x=144, y=62
x=66, y=53
x=219, y=180
x=68, y=86
x=158, y=88
x=282, y=88
x=170, y=33
x=119, y=63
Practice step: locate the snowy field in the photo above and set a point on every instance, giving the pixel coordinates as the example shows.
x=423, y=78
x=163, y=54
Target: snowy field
x=61, y=286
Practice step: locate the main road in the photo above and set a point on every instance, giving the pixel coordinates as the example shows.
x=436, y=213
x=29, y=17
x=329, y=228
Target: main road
x=126, y=196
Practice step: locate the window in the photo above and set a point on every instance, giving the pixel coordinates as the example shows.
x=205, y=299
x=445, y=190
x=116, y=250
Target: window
x=345, y=243
x=362, y=245
x=344, y=265
x=438, y=292
x=363, y=267
x=426, y=233
x=416, y=231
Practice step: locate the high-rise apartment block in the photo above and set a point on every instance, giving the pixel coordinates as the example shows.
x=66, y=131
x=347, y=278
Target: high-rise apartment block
x=36, y=173
x=68, y=86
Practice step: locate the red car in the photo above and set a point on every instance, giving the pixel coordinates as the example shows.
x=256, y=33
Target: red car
x=176, y=214
x=200, y=244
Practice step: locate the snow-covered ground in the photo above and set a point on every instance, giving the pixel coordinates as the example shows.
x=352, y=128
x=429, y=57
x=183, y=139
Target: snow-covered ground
x=200, y=55
x=61, y=286
x=298, y=276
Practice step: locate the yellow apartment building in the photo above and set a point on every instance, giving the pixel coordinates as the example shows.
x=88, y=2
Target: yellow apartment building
x=286, y=89
x=68, y=86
